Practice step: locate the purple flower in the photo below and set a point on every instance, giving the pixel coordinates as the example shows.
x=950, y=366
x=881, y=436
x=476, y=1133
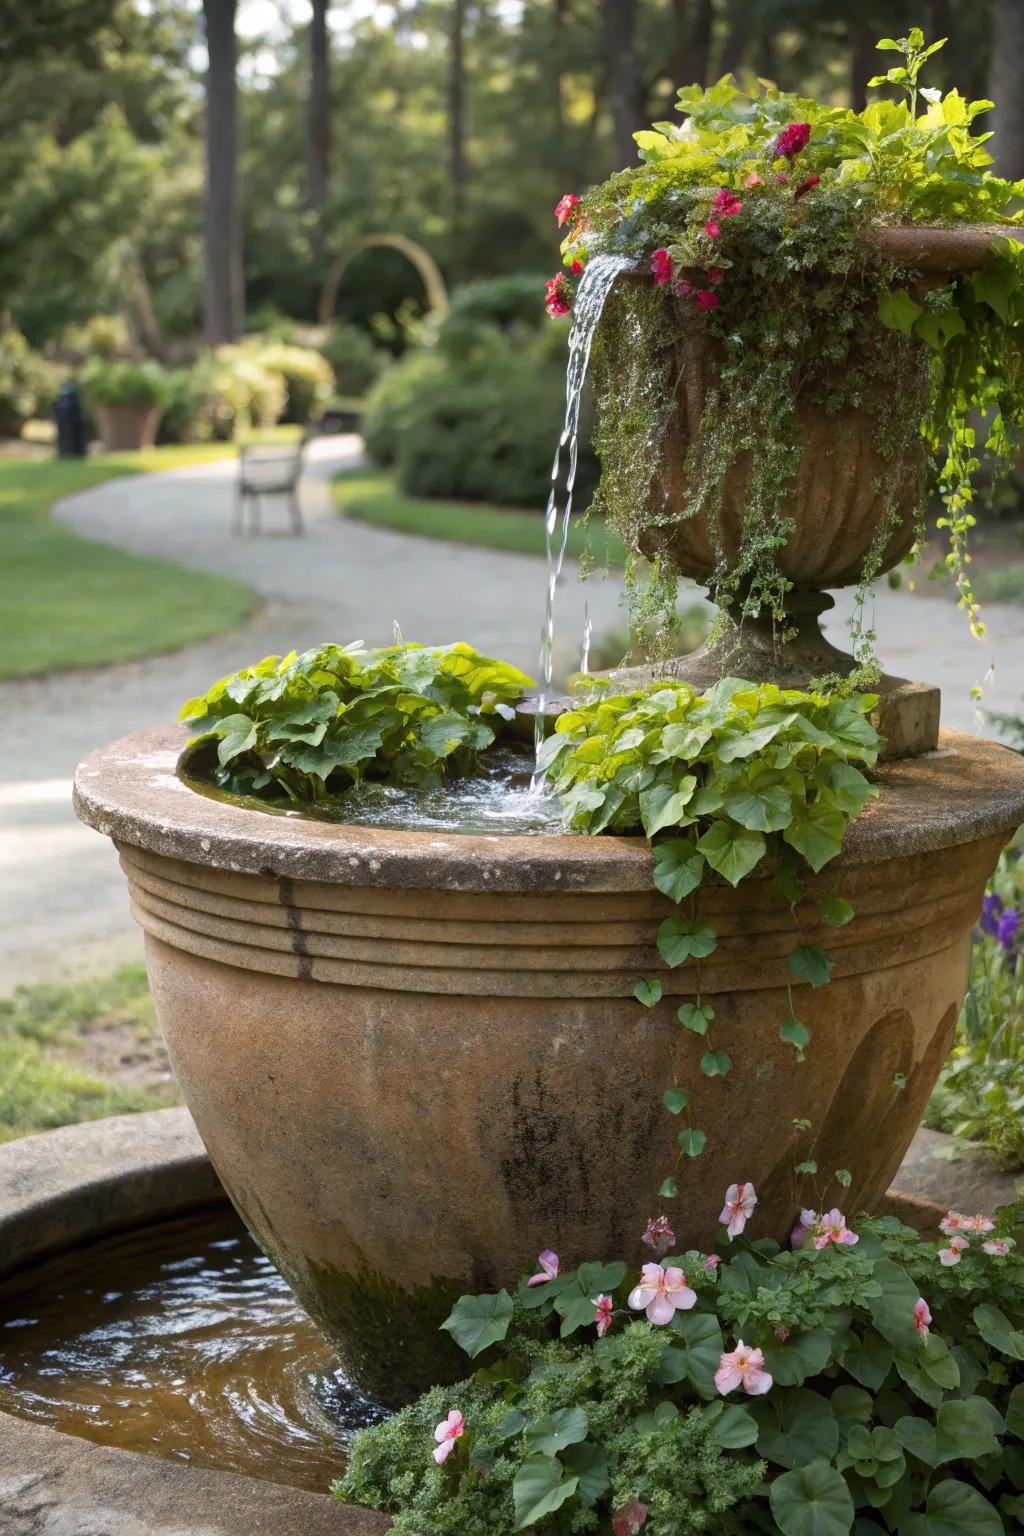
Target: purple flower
x=1006, y=932
x=991, y=911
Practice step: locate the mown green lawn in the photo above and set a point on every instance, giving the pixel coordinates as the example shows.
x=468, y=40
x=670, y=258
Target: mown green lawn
x=371, y=496
x=68, y=602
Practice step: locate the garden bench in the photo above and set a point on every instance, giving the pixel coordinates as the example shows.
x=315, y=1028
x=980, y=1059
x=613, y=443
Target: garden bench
x=268, y=470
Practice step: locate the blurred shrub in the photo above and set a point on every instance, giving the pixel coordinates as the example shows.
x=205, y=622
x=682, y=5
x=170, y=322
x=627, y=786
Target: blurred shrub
x=105, y=336
x=183, y=419
x=476, y=415
x=26, y=383
x=357, y=362
x=238, y=393
x=121, y=382
x=308, y=378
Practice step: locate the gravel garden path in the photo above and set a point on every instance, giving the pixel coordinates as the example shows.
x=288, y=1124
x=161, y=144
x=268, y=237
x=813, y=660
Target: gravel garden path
x=62, y=897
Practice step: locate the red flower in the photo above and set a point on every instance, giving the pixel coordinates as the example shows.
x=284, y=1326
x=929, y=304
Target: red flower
x=566, y=207
x=726, y=204
x=575, y=266
x=792, y=140
x=683, y=288
x=806, y=185
x=661, y=266
x=715, y=274
x=556, y=296
x=753, y=180
x=712, y=229
x=706, y=299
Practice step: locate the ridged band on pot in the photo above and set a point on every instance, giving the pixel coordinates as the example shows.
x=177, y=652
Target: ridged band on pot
x=416, y=1059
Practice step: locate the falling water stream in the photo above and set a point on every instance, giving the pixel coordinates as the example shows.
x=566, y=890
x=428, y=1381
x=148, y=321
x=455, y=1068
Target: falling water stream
x=591, y=296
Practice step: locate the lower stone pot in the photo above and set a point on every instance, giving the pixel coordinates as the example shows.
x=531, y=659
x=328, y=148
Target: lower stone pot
x=416, y=1059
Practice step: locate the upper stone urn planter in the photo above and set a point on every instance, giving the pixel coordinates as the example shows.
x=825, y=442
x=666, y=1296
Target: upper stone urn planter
x=127, y=428
x=416, y=1059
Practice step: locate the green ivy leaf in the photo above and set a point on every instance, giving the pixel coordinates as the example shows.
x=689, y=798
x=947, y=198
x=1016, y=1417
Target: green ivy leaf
x=962, y=1431
x=803, y=1354
x=954, y=1509
x=732, y=851
x=694, y=1018
x=678, y=868
x=716, y=1064
x=576, y=1311
x=679, y=940
x=669, y=1189
x=868, y=1359
x=590, y=1464
x=700, y=1350
x=897, y=309
x=795, y=1034
x=795, y=1427
x=844, y=1177
x=849, y=789
x=852, y=1405
x=539, y=1489
x=552, y=1432
x=732, y=1427
x=760, y=805
x=811, y=963
x=998, y=1332
x=648, y=992
x=676, y=1100
x=834, y=911
x=808, y=1168
x=664, y=805
x=476, y=1322
x=237, y=735
x=1015, y=1413
x=817, y=832
x=692, y=1142
x=812, y=1501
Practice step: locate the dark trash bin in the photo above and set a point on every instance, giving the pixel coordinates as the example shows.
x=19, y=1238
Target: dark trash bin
x=72, y=433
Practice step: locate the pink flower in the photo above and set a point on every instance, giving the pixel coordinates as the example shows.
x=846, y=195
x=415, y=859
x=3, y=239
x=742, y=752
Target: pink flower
x=743, y=1367
x=712, y=229
x=446, y=1434
x=740, y=1200
x=726, y=204
x=922, y=1316
x=661, y=266
x=951, y=1222
x=792, y=140
x=807, y=1222
x=832, y=1229
x=715, y=274
x=683, y=288
x=706, y=299
x=807, y=185
x=556, y=297
x=661, y=1292
x=575, y=266
x=951, y=1255
x=630, y=1519
x=566, y=207
x=997, y=1246
x=976, y=1224
x=603, y=1309
x=782, y=1334
x=548, y=1262
x=659, y=1235
x=753, y=180
x=712, y=1262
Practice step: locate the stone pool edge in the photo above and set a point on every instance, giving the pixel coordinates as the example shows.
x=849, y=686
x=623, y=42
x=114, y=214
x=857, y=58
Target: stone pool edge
x=88, y=1181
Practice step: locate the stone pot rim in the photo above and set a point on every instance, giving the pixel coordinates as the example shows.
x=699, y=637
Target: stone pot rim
x=129, y=790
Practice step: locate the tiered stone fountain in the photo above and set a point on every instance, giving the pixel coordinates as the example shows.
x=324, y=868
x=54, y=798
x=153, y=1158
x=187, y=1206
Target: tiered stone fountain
x=416, y=1059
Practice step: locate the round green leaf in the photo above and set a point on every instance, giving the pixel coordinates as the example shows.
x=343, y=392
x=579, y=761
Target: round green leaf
x=697, y=1019
x=678, y=868
x=760, y=805
x=539, y=1490
x=648, y=992
x=812, y=1501
x=955, y=1509
x=669, y=1189
x=834, y=911
x=692, y=1142
x=817, y=832
x=476, y=1322
x=676, y=1100
x=810, y=963
x=796, y=1425
x=678, y=940
x=716, y=1064
x=732, y=850
x=796, y=1034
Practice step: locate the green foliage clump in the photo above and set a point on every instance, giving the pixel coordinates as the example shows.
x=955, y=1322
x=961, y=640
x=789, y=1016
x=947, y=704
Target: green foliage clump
x=237, y=393
x=24, y=382
x=307, y=375
x=877, y=1417
x=980, y=1092
x=118, y=381
x=796, y=308
x=355, y=358
x=301, y=728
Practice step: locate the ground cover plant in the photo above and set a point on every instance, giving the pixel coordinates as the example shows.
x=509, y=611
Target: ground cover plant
x=69, y=602
x=752, y=216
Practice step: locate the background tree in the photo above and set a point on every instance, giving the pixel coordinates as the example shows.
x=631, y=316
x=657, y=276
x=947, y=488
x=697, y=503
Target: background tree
x=319, y=143
x=223, y=301
x=1007, y=121
x=622, y=76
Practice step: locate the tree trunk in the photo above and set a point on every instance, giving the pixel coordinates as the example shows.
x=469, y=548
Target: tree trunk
x=457, y=119
x=319, y=144
x=681, y=60
x=224, y=300
x=1007, y=120
x=622, y=80
x=738, y=29
x=864, y=62
x=700, y=43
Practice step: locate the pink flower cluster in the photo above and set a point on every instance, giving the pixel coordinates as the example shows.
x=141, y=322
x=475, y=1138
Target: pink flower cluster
x=556, y=296
x=743, y=1367
x=659, y=1235
x=792, y=140
x=661, y=1293
x=447, y=1432
x=829, y=1228
x=565, y=208
x=960, y=1229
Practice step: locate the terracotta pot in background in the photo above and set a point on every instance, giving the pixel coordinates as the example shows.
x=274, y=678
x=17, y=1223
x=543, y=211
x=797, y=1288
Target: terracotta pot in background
x=127, y=428
x=416, y=1059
